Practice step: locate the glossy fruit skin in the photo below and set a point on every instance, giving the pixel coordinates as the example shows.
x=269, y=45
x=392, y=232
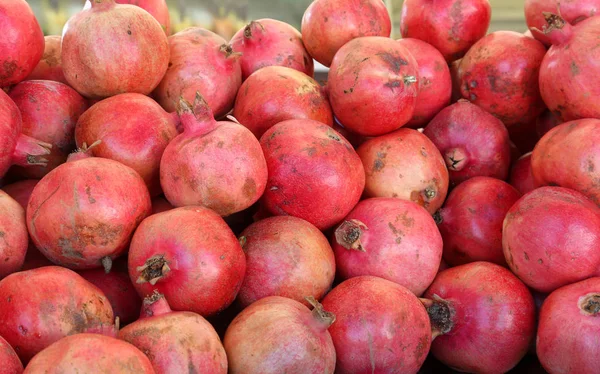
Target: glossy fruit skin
x=407, y=165
x=373, y=316
x=275, y=94
x=550, y=238
x=157, y=8
x=90, y=353
x=33, y=315
x=373, y=85
x=11, y=364
x=13, y=231
x=471, y=220
x=314, y=173
x=521, y=176
x=328, y=24
x=451, y=26
x=398, y=241
x=493, y=318
x=500, y=74
x=22, y=43
x=50, y=66
x=269, y=42
x=567, y=332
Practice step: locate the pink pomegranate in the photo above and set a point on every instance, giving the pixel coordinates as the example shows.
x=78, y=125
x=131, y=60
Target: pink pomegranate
x=13, y=235
x=268, y=42
x=314, y=173
x=407, y=165
x=329, y=24
x=550, y=238
x=373, y=85
x=128, y=32
x=33, y=314
x=500, y=74
x=471, y=220
x=280, y=335
x=157, y=8
x=472, y=142
x=11, y=364
x=451, y=26
x=49, y=111
x=389, y=238
x=190, y=256
x=275, y=94
x=374, y=317
x=288, y=257
x=201, y=61
x=22, y=43
x=160, y=204
x=175, y=342
x=521, y=176
x=435, y=83
x=546, y=122
x=568, y=328
x=485, y=316
x=133, y=129
x=50, y=66
x=90, y=353
x=219, y=165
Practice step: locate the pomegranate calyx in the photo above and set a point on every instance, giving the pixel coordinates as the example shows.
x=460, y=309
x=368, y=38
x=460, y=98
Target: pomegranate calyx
x=456, y=159
x=107, y=264
x=155, y=305
x=227, y=49
x=30, y=151
x=348, y=235
x=155, y=268
x=320, y=314
x=441, y=315
x=590, y=304
x=83, y=151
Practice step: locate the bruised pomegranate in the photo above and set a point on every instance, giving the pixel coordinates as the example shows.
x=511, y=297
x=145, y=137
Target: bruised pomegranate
x=485, y=316
x=268, y=42
x=22, y=43
x=471, y=220
x=451, y=26
x=314, y=173
x=133, y=129
x=521, y=176
x=389, y=238
x=285, y=256
x=11, y=364
x=275, y=94
x=551, y=238
x=157, y=8
x=407, y=165
x=219, y=165
x=33, y=314
x=329, y=24
x=472, y=142
x=50, y=66
x=13, y=235
x=190, y=256
x=373, y=85
x=280, y=335
x=128, y=32
x=201, y=61
x=175, y=342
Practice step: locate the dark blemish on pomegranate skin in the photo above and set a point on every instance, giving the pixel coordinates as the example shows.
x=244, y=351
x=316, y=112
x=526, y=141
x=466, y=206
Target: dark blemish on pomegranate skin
x=395, y=62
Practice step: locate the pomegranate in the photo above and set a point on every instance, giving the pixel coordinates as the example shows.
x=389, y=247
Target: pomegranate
x=34, y=315
x=83, y=213
x=90, y=353
x=568, y=329
x=472, y=142
x=471, y=220
x=22, y=43
x=373, y=85
x=314, y=173
x=451, y=26
x=157, y=8
x=13, y=235
x=275, y=94
x=407, y=165
x=454, y=68
x=201, y=61
x=546, y=122
x=500, y=74
x=521, y=176
x=49, y=111
x=485, y=316
x=268, y=42
x=176, y=342
x=435, y=83
x=219, y=165
x=329, y=24
x=551, y=238
x=133, y=129
x=126, y=31
x=190, y=256
x=11, y=364
x=285, y=256
x=160, y=204
x=50, y=66
x=389, y=238
x=280, y=335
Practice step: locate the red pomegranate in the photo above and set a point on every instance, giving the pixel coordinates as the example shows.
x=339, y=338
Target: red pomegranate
x=50, y=66
x=329, y=24
x=157, y=8
x=373, y=85
x=128, y=32
x=521, y=176
x=13, y=235
x=11, y=364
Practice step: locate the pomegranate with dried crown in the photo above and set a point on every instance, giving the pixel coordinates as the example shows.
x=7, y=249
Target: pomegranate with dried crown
x=50, y=66
x=13, y=235
x=128, y=32
x=157, y=8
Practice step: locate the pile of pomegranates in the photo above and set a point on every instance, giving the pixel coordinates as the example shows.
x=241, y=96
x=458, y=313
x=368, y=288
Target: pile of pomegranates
x=185, y=200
